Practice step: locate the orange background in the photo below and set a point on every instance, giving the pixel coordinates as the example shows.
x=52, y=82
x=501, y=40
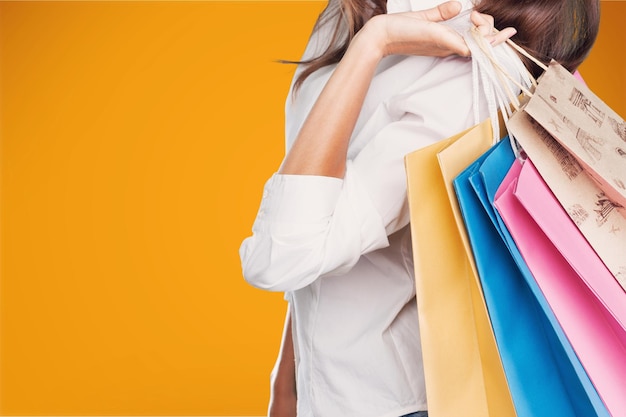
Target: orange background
x=136, y=138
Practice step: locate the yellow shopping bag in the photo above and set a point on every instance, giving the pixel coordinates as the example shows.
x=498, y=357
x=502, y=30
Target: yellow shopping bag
x=464, y=374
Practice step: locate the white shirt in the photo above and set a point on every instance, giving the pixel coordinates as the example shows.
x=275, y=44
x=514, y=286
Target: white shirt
x=341, y=248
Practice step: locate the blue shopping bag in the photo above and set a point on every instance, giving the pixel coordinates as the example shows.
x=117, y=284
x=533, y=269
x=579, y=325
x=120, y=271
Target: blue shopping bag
x=544, y=375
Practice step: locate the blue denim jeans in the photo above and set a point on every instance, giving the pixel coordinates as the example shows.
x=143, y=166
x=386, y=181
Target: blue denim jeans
x=418, y=414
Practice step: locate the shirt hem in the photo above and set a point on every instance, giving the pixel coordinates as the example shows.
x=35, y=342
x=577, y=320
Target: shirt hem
x=406, y=410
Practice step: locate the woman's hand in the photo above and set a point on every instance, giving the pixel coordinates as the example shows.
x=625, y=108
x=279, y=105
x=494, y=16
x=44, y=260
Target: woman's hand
x=419, y=33
x=322, y=143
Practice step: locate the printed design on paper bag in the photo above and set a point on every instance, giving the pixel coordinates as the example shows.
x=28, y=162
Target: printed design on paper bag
x=585, y=126
x=619, y=127
x=614, y=229
x=578, y=214
x=569, y=165
x=578, y=99
x=587, y=141
x=603, y=209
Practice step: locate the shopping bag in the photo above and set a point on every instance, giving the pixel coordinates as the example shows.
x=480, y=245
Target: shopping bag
x=537, y=199
x=544, y=375
x=588, y=174
x=586, y=204
x=464, y=375
x=585, y=126
x=572, y=287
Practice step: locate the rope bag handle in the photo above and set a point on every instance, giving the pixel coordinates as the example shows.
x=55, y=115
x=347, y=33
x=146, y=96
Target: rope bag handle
x=497, y=81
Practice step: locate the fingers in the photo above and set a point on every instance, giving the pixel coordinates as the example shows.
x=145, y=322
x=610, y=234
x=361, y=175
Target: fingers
x=428, y=37
x=463, y=50
x=483, y=22
x=449, y=9
x=485, y=25
x=502, y=36
x=442, y=12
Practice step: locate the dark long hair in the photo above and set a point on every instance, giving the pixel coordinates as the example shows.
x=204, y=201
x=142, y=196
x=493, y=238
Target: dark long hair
x=348, y=17
x=563, y=30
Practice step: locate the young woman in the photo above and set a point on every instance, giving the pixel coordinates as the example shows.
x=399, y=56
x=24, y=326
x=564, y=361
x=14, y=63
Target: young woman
x=378, y=80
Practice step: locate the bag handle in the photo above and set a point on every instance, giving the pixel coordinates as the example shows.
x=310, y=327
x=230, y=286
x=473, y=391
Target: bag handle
x=491, y=80
x=480, y=41
x=525, y=53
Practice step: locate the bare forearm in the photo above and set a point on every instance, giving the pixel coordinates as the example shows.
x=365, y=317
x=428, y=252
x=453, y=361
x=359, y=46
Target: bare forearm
x=321, y=145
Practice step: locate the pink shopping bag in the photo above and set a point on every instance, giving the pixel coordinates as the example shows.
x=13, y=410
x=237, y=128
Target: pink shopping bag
x=589, y=304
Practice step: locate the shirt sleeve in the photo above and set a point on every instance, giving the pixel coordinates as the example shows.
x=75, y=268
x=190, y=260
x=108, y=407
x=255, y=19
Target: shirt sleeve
x=309, y=226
